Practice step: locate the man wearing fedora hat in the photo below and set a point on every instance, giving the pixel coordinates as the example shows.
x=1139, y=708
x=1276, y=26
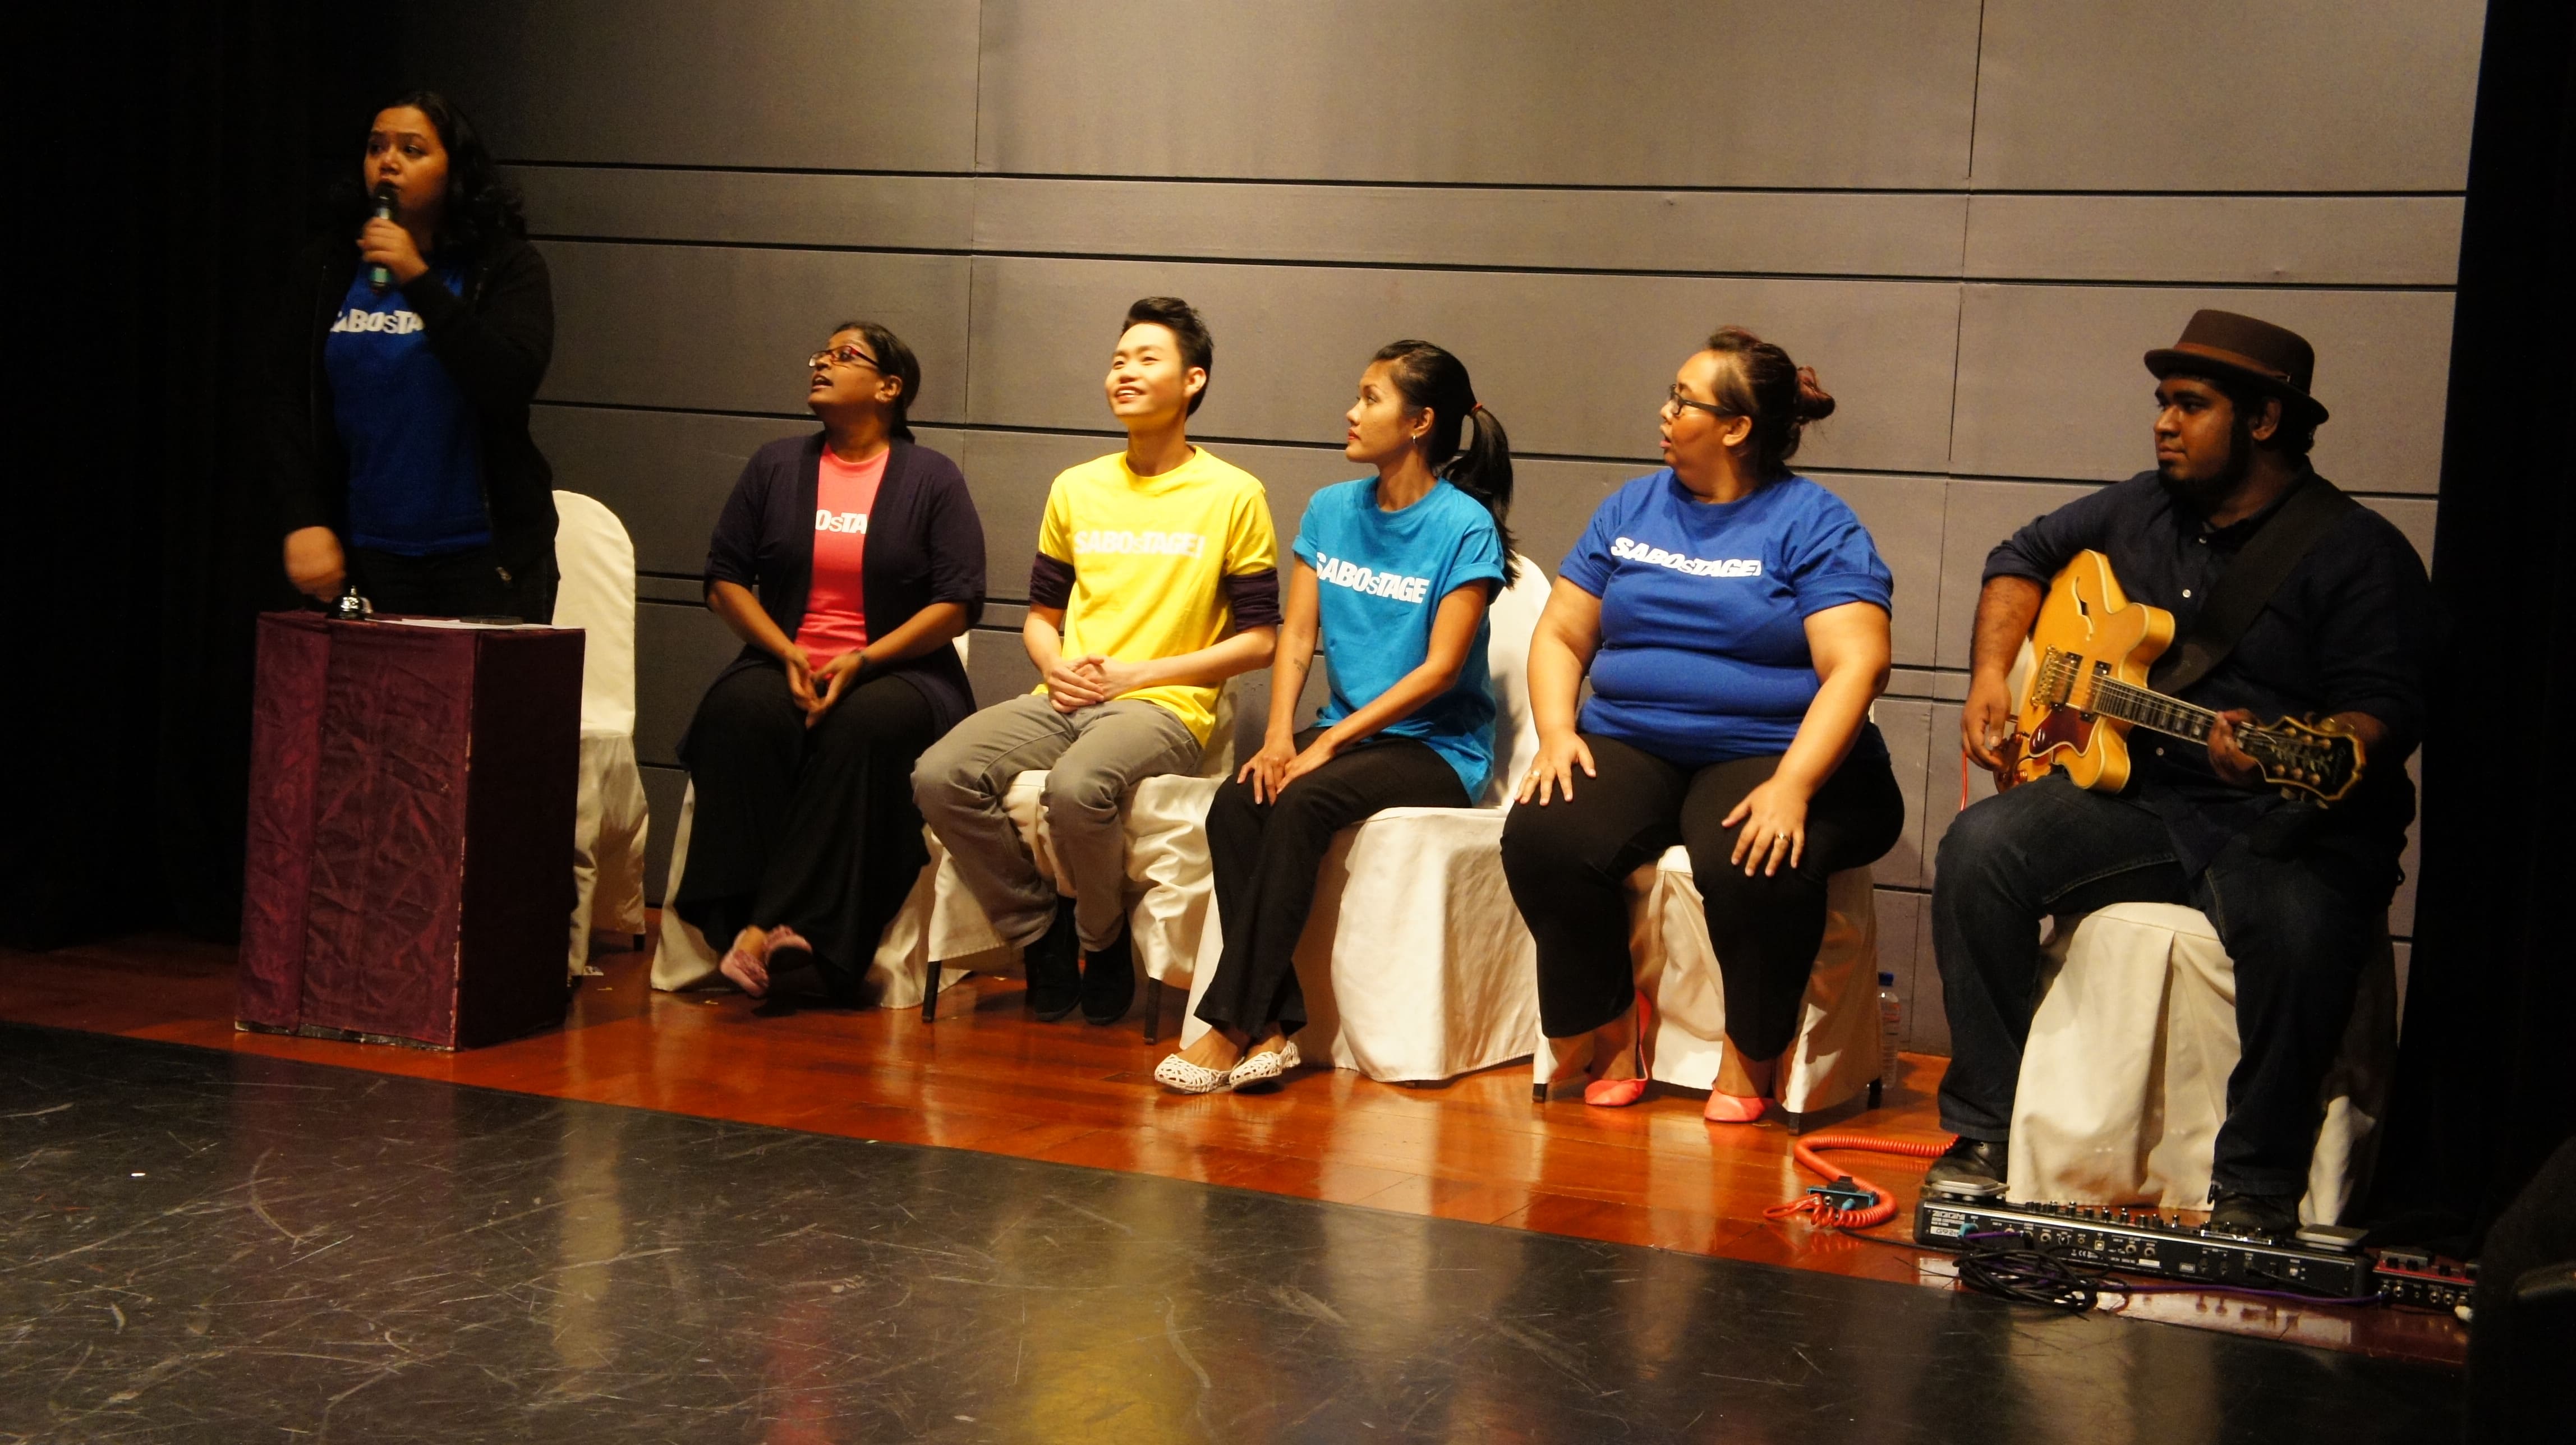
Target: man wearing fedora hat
x=2340, y=623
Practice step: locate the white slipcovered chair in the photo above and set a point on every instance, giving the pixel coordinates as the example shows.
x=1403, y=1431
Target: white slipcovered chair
x=1415, y=964
x=1164, y=820
x=596, y=593
x=2124, y=1080
x=686, y=959
x=1834, y=1058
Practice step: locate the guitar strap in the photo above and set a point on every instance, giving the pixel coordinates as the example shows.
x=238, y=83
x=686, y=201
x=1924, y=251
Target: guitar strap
x=2247, y=585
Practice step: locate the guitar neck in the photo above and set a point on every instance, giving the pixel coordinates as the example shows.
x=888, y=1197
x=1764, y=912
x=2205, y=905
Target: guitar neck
x=2151, y=710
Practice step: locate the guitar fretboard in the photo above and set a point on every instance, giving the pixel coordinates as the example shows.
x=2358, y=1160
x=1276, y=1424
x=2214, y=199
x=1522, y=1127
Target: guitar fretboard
x=2131, y=703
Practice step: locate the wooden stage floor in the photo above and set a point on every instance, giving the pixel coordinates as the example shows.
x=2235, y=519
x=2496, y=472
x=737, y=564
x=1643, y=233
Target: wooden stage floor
x=987, y=1077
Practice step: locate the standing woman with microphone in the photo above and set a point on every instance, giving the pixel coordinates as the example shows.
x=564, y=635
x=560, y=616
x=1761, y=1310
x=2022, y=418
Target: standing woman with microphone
x=409, y=348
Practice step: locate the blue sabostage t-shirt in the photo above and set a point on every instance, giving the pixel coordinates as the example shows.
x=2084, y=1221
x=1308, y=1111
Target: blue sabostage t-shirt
x=1703, y=609
x=415, y=466
x=1380, y=577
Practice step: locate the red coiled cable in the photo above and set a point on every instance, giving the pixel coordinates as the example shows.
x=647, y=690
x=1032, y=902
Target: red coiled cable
x=1823, y=1212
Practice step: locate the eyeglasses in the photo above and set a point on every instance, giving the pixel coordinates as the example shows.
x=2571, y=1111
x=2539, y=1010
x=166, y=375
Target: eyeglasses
x=1678, y=401
x=843, y=355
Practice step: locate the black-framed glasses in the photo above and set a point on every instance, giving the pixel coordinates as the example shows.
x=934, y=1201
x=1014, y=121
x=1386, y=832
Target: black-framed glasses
x=843, y=355
x=1678, y=401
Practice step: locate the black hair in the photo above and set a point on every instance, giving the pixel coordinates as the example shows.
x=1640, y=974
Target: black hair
x=893, y=359
x=479, y=204
x=1182, y=320
x=1766, y=388
x=2296, y=434
x=1431, y=379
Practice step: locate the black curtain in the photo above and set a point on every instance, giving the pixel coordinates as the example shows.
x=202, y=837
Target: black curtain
x=171, y=162
x=2483, y=1090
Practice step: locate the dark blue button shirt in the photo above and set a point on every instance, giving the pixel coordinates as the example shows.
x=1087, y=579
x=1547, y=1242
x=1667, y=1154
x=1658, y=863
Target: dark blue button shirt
x=2349, y=630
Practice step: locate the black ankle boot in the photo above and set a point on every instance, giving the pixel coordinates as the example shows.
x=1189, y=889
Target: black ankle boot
x=1972, y=1168
x=1109, y=982
x=2254, y=1216
x=1054, y=968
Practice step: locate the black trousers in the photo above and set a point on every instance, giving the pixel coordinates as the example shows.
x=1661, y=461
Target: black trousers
x=811, y=828
x=456, y=584
x=1266, y=856
x=1569, y=861
x=2297, y=934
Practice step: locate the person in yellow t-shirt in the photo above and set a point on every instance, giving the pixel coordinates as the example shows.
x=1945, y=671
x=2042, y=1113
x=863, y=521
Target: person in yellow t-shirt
x=1156, y=579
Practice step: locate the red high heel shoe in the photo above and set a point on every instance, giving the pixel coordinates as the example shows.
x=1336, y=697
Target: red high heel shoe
x=1620, y=1093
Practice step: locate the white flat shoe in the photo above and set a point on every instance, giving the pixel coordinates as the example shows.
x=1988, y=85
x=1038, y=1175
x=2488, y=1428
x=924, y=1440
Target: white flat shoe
x=1262, y=1070
x=1183, y=1077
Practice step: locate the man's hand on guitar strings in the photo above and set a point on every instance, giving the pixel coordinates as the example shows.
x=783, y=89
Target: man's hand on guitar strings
x=1986, y=722
x=2227, y=759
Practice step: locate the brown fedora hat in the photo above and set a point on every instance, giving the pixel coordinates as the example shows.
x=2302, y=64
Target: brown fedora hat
x=2223, y=343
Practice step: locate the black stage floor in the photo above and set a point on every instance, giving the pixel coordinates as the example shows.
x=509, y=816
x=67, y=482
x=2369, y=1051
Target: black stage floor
x=206, y=1246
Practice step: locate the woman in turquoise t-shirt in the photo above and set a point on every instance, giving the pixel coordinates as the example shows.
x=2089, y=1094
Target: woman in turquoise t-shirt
x=1397, y=571
x=1733, y=618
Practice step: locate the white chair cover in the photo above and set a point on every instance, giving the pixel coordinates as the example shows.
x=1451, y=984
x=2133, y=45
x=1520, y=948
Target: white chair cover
x=1415, y=964
x=1835, y=1055
x=597, y=595
x=2124, y=1081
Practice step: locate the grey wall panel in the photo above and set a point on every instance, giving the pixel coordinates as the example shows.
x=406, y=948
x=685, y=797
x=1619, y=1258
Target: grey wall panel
x=665, y=474
x=2051, y=383
x=1799, y=233
x=1927, y=1023
x=2247, y=240
x=1977, y=515
x=1573, y=364
x=1910, y=744
x=1619, y=92
x=822, y=84
x=997, y=665
x=678, y=651
x=663, y=790
x=713, y=328
x=1941, y=786
x=771, y=208
x=1905, y=518
x=2227, y=95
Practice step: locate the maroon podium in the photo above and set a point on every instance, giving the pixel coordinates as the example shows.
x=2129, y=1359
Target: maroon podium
x=411, y=829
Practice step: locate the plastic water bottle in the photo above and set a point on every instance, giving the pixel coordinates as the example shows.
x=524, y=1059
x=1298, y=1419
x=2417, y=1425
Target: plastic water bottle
x=1891, y=1028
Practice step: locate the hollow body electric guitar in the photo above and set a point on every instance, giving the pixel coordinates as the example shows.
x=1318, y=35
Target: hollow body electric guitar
x=2090, y=651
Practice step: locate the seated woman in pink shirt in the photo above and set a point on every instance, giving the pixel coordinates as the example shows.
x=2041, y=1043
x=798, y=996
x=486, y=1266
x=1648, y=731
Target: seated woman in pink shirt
x=847, y=561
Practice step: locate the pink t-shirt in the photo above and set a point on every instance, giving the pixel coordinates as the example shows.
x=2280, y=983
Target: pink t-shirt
x=836, y=611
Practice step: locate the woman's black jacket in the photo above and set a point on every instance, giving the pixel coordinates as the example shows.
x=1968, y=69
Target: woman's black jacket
x=494, y=340
x=925, y=545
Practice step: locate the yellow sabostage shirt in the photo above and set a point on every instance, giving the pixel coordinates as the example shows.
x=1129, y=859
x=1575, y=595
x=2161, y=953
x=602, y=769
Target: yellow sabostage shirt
x=1150, y=556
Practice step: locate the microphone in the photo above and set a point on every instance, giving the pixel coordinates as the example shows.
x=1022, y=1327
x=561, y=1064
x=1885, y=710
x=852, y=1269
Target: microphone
x=378, y=278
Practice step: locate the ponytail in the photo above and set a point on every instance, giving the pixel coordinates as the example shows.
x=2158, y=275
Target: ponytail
x=1466, y=444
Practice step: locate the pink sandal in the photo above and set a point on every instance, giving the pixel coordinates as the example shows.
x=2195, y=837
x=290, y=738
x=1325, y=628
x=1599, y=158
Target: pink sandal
x=1620, y=1093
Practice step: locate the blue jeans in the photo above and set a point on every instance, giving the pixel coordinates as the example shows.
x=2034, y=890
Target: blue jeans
x=2298, y=939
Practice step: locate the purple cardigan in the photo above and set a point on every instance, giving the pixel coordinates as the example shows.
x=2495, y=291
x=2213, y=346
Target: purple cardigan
x=925, y=545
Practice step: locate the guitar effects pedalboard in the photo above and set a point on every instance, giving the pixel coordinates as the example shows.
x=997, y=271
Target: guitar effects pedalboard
x=2325, y=1261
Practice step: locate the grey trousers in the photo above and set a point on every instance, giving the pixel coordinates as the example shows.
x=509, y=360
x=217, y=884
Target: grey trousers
x=1091, y=757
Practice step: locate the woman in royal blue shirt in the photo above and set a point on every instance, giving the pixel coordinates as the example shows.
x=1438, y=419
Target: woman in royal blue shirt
x=408, y=350
x=1733, y=618
x=1396, y=571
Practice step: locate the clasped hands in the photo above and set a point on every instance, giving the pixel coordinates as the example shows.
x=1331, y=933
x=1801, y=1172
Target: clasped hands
x=1279, y=763
x=1075, y=683
x=817, y=688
